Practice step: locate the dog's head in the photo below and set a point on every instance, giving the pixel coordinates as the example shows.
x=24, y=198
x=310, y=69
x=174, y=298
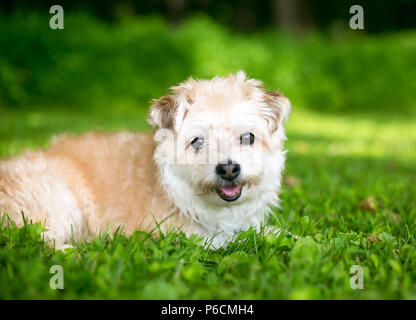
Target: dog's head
x=219, y=138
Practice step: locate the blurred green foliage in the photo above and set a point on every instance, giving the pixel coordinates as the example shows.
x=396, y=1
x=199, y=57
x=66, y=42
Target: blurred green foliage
x=92, y=64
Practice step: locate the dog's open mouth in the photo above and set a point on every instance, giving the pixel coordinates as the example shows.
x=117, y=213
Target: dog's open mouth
x=229, y=193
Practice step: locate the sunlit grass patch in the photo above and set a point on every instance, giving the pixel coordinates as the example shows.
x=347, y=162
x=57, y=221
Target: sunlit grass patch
x=353, y=135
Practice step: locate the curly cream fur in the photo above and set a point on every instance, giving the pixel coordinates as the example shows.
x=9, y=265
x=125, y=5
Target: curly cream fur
x=82, y=185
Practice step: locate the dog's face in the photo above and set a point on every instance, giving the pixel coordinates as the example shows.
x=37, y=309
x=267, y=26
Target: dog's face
x=218, y=137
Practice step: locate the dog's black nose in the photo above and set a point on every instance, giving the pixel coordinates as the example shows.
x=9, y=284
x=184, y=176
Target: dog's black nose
x=228, y=171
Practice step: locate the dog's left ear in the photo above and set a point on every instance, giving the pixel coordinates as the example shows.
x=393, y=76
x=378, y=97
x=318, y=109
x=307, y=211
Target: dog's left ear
x=164, y=112
x=276, y=109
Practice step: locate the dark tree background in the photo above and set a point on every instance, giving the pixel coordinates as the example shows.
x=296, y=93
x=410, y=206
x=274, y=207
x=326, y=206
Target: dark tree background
x=246, y=15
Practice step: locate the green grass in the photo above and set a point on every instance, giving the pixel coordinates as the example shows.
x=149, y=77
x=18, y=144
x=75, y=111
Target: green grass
x=337, y=161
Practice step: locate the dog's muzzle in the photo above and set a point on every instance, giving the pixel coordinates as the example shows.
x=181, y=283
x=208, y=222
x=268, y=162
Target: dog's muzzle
x=228, y=190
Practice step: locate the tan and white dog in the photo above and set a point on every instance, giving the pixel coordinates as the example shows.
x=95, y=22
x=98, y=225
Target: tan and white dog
x=211, y=167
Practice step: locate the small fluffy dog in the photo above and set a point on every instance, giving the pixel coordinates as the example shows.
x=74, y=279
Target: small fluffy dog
x=212, y=166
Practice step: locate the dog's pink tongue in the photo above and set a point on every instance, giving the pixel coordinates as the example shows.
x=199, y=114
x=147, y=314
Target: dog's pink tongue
x=230, y=191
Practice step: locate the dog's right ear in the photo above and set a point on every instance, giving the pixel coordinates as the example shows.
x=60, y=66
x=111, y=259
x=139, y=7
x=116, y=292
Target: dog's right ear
x=163, y=112
x=277, y=108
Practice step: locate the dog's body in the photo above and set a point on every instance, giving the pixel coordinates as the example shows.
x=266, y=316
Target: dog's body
x=99, y=181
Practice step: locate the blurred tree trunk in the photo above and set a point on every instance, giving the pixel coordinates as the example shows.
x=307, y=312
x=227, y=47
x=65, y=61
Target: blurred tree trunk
x=175, y=10
x=295, y=15
x=245, y=16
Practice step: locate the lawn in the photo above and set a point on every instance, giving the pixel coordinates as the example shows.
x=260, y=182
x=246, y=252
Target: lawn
x=348, y=191
x=334, y=164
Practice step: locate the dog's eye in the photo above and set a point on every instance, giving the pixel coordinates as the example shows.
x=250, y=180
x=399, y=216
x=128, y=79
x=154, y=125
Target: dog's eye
x=197, y=143
x=247, y=138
